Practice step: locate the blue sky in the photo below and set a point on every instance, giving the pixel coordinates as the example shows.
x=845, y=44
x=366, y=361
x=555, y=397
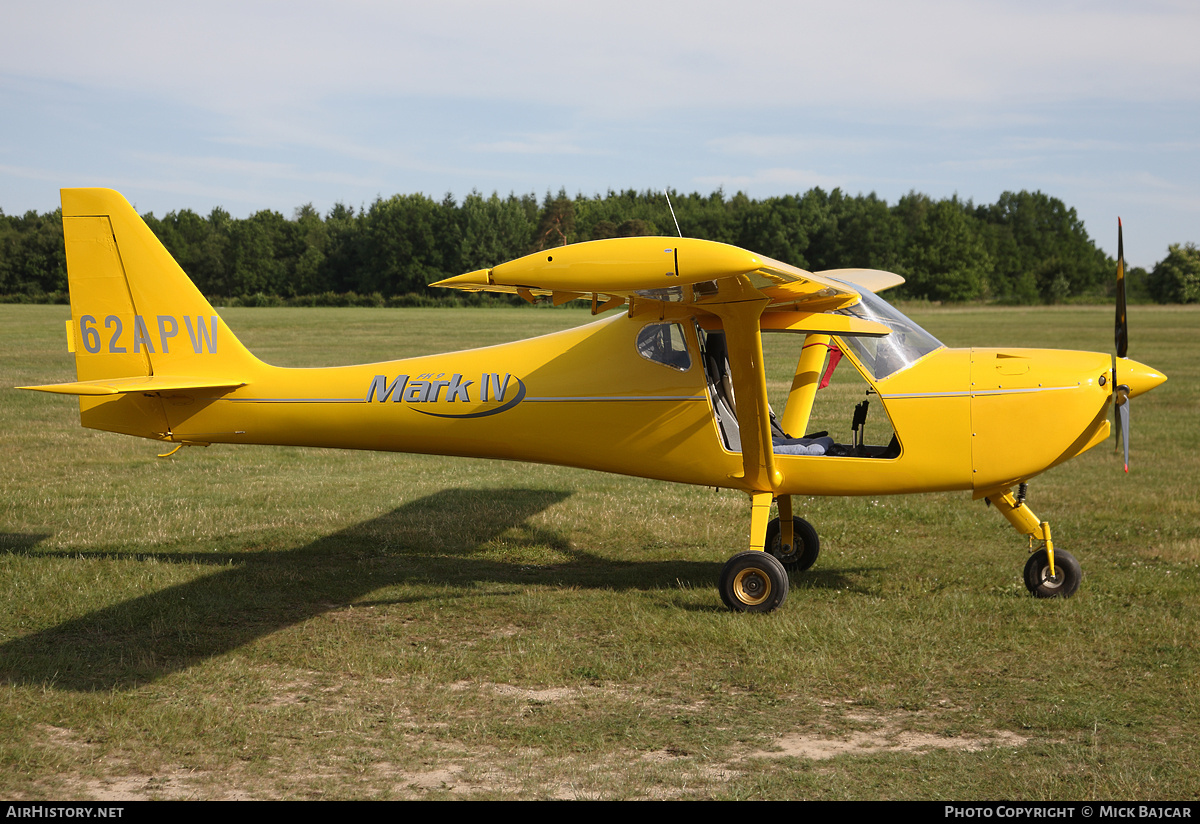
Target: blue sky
x=271, y=105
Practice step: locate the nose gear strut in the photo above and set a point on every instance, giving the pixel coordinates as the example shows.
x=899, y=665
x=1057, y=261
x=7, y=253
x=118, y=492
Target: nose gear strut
x=1043, y=577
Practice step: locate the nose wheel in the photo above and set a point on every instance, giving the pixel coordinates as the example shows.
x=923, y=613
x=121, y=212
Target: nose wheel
x=1064, y=581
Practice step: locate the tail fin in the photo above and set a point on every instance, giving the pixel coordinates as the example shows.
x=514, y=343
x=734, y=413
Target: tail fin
x=139, y=327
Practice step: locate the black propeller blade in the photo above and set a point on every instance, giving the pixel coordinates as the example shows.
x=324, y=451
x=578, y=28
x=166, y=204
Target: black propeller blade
x=1122, y=324
x=1121, y=337
x=1122, y=410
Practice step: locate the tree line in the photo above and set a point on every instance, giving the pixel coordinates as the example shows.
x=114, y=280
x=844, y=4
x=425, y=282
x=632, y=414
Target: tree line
x=1025, y=248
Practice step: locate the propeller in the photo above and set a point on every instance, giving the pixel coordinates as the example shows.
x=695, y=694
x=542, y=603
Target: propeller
x=1121, y=338
x=1121, y=393
x=1121, y=333
x=1129, y=378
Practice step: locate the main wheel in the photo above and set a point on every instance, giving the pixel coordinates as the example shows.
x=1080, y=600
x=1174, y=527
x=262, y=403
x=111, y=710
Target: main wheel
x=805, y=544
x=1062, y=584
x=753, y=581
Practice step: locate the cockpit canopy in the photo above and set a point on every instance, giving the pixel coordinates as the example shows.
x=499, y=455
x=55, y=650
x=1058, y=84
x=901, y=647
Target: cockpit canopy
x=885, y=356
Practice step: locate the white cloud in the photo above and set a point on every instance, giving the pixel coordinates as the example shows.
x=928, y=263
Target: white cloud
x=776, y=145
x=558, y=144
x=621, y=57
x=202, y=167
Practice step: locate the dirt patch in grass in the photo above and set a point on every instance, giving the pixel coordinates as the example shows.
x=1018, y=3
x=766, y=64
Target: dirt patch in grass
x=180, y=785
x=1186, y=551
x=887, y=735
x=546, y=696
x=60, y=738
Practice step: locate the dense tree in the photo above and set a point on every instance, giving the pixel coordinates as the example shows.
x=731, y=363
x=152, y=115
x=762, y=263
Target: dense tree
x=780, y=227
x=946, y=258
x=256, y=251
x=32, y=258
x=1040, y=246
x=1025, y=248
x=495, y=230
x=557, y=224
x=309, y=239
x=1176, y=278
x=200, y=245
x=343, y=264
x=864, y=233
x=708, y=216
x=405, y=244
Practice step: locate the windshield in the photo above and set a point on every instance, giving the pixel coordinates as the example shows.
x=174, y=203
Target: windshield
x=885, y=356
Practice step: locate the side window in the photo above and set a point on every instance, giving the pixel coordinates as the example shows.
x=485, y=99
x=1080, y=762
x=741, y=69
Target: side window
x=664, y=343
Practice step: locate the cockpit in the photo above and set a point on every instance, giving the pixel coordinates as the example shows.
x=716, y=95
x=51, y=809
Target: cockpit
x=797, y=364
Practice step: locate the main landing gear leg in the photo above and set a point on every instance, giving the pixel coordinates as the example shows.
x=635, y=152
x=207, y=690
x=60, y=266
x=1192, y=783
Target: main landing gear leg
x=1048, y=574
x=754, y=581
x=792, y=540
x=787, y=529
x=760, y=514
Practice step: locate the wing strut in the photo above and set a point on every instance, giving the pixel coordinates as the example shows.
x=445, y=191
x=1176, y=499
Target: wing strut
x=743, y=339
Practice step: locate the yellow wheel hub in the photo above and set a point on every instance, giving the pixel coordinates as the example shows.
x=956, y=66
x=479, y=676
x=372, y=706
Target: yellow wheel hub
x=752, y=586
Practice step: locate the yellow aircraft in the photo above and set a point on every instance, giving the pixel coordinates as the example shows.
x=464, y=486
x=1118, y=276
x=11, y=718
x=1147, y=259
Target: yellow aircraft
x=672, y=388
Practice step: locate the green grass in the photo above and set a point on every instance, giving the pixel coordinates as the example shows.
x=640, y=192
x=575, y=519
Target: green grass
x=293, y=623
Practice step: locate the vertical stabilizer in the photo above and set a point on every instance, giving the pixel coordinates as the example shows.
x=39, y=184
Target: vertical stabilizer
x=136, y=315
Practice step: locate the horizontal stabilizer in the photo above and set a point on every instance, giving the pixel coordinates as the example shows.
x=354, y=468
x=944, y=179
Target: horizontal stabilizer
x=141, y=383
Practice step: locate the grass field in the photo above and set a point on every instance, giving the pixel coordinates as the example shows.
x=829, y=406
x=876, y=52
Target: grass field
x=267, y=623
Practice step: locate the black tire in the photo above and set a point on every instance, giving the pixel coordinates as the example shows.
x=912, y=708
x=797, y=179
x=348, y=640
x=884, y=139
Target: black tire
x=1065, y=581
x=805, y=545
x=753, y=581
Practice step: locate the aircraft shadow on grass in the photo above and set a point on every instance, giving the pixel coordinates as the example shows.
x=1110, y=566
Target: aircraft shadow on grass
x=435, y=540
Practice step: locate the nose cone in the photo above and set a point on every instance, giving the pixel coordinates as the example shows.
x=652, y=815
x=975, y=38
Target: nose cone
x=1137, y=376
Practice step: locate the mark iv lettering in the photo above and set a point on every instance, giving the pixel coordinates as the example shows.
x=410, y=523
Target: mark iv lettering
x=434, y=387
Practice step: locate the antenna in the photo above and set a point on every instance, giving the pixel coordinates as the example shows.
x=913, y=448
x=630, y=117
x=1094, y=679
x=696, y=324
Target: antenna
x=672, y=208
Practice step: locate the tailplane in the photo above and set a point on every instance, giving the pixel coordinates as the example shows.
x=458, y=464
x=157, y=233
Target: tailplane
x=140, y=330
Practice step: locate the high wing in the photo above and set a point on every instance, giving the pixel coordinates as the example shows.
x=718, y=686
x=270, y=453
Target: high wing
x=676, y=278
x=674, y=270
x=686, y=270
